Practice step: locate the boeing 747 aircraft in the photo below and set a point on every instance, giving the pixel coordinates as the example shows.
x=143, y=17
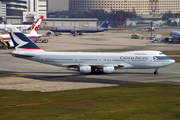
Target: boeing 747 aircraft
x=87, y=62
x=5, y=26
x=33, y=34
x=80, y=30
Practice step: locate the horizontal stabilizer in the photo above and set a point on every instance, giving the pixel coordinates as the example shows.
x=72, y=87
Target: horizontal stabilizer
x=22, y=55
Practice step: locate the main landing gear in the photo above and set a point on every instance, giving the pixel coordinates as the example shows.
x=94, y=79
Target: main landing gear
x=98, y=70
x=156, y=71
x=80, y=33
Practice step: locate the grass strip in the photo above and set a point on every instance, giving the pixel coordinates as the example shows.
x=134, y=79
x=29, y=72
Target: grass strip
x=172, y=53
x=126, y=102
x=7, y=74
x=177, y=59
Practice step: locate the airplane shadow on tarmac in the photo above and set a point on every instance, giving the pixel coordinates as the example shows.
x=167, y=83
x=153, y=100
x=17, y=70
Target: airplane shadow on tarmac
x=81, y=78
x=77, y=79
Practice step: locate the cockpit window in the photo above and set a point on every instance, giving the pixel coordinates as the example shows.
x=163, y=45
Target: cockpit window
x=162, y=57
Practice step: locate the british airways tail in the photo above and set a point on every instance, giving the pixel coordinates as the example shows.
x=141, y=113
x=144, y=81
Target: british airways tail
x=105, y=24
x=21, y=42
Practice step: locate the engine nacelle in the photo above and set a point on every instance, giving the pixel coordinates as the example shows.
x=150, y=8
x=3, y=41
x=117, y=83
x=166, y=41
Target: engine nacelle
x=85, y=69
x=108, y=69
x=10, y=43
x=72, y=32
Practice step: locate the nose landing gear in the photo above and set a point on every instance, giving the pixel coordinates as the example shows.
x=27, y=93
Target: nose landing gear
x=156, y=71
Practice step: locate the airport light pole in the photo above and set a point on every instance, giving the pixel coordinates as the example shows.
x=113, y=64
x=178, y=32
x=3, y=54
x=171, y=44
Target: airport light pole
x=74, y=28
x=151, y=28
x=120, y=18
x=125, y=14
x=4, y=24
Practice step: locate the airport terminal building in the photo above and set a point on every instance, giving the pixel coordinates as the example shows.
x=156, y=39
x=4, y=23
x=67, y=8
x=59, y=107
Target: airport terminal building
x=142, y=7
x=36, y=8
x=18, y=8
x=12, y=8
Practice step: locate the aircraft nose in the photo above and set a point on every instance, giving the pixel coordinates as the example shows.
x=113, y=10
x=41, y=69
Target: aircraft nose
x=173, y=61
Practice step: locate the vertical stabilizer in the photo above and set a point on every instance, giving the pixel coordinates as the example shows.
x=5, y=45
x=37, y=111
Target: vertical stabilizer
x=36, y=25
x=21, y=42
x=105, y=24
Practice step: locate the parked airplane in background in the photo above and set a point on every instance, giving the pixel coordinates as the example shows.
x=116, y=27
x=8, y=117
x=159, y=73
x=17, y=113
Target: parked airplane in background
x=37, y=24
x=33, y=34
x=25, y=27
x=172, y=37
x=4, y=27
x=87, y=62
x=80, y=30
x=175, y=34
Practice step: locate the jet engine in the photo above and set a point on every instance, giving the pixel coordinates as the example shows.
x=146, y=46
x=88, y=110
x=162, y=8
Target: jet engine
x=72, y=32
x=108, y=69
x=85, y=69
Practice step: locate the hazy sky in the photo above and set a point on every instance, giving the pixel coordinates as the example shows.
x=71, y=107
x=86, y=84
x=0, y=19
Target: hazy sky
x=58, y=5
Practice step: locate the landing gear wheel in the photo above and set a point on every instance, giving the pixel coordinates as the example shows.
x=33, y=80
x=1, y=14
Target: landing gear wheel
x=80, y=33
x=93, y=70
x=96, y=70
x=156, y=72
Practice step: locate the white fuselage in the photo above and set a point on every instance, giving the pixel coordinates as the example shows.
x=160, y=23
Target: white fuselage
x=127, y=60
x=78, y=29
x=4, y=27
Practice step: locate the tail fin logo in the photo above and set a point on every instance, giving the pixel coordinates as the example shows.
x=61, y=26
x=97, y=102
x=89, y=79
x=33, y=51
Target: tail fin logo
x=105, y=24
x=21, y=41
x=37, y=24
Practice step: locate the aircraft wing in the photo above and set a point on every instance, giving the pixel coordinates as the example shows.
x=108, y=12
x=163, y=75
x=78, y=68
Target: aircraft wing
x=76, y=31
x=73, y=65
